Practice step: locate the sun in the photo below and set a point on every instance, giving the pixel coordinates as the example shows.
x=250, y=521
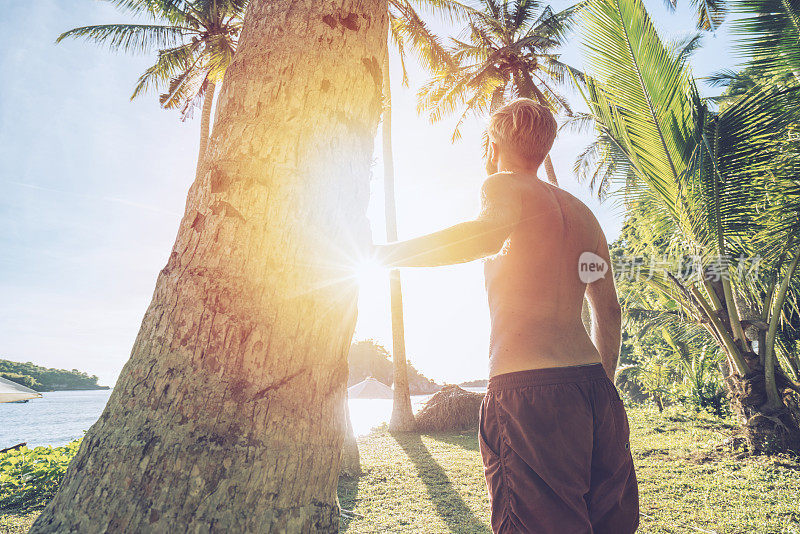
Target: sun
x=369, y=273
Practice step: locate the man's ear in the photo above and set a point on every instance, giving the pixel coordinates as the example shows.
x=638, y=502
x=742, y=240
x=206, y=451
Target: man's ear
x=494, y=153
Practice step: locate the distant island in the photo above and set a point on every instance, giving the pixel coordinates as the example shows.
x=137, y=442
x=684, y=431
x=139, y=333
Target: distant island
x=479, y=383
x=368, y=358
x=46, y=379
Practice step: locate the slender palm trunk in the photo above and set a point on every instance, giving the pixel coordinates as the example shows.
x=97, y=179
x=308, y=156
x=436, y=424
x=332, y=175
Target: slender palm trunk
x=205, y=122
x=229, y=415
x=528, y=89
x=550, y=170
x=402, y=419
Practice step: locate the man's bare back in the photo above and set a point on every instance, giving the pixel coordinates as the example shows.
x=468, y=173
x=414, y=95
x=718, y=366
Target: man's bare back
x=552, y=429
x=535, y=234
x=535, y=293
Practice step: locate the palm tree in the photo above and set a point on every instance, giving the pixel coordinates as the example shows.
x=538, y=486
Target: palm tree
x=406, y=29
x=195, y=39
x=509, y=51
x=229, y=415
x=721, y=184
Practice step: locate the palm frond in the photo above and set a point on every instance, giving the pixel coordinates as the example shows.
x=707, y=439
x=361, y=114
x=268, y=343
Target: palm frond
x=710, y=13
x=769, y=35
x=408, y=27
x=195, y=42
x=169, y=63
x=136, y=38
x=684, y=48
x=641, y=92
x=505, y=51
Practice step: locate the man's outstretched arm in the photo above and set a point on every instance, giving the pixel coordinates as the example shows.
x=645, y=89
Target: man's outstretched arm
x=467, y=241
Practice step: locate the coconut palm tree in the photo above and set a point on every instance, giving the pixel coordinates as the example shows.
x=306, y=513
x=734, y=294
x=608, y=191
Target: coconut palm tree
x=509, y=51
x=195, y=40
x=229, y=414
x=407, y=30
x=721, y=184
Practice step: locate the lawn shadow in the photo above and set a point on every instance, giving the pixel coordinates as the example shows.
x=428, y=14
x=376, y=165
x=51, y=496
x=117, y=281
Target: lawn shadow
x=467, y=440
x=793, y=466
x=449, y=504
x=347, y=493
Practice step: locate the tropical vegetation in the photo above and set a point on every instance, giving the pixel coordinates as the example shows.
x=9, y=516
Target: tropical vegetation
x=29, y=477
x=47, y=379
x=510, y=49
x=195, y=41
x=711, y=186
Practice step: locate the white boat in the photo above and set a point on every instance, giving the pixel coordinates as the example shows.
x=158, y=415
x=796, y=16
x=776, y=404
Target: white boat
x=13, y=392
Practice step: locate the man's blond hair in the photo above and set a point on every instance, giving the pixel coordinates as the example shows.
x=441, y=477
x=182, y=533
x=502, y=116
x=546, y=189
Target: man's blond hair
x=525, y=127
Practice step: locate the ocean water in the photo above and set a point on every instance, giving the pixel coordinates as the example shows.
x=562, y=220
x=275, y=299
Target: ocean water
x=55, y=419
x=62, y=416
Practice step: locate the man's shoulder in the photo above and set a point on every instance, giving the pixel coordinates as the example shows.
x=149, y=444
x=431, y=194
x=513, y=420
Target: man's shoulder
x=562, y=204
x=501, y=187
x=578, y=206
x=499, y=180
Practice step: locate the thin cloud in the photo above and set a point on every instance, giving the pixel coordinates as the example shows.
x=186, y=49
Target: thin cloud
x=94, y=198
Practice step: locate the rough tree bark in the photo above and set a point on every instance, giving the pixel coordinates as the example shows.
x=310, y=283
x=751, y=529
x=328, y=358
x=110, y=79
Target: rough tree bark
x=229, y=415
x=768, y=429
x=402, y=419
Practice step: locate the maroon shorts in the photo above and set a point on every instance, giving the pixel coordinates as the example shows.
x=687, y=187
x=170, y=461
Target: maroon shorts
x=556, y=454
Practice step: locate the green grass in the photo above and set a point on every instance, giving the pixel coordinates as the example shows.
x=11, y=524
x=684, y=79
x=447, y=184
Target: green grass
x=687, y=478
x=15, y=522
x=434, y=483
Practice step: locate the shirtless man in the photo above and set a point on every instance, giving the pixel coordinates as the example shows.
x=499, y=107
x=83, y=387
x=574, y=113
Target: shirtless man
x=553, y=431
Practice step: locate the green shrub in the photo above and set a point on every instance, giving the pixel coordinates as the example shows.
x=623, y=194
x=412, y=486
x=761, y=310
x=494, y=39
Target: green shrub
x=30, y=477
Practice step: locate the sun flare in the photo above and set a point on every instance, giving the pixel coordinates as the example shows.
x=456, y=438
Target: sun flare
x=369, y=272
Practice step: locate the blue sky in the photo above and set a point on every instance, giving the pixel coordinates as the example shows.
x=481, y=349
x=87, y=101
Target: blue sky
x=92, y=188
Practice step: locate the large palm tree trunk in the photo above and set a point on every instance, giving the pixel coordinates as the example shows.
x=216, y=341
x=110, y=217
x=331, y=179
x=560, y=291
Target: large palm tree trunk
x=205, y=122
x=770, y=416
x=402, y=419
x=767, y=430
x=229, y=415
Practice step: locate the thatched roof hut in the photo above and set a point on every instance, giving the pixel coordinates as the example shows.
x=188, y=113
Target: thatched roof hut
x=370, y=388
x=452, y=408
